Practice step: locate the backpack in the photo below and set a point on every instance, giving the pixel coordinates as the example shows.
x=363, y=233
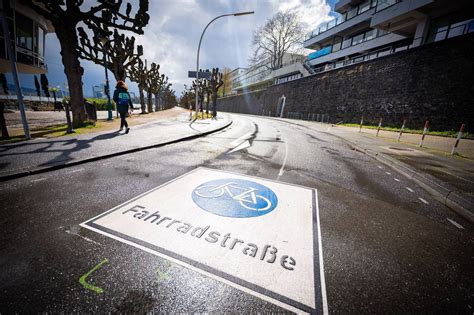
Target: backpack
x=123, y=99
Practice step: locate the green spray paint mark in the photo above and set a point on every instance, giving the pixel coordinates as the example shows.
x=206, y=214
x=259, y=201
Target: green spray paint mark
x=161, y=276
x=82, y=280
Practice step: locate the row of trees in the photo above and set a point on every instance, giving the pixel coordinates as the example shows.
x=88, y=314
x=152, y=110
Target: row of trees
x=101, y=43
x=207, y=89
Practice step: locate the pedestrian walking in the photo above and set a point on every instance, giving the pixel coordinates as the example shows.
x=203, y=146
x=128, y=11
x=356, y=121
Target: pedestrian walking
x=124, y=102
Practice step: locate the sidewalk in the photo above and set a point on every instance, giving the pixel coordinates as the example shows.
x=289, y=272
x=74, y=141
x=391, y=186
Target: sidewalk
x=448, y=178
x=40, y=155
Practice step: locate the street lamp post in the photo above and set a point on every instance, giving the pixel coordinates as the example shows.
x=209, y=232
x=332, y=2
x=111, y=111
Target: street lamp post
x=104, y=41
x=199, y=47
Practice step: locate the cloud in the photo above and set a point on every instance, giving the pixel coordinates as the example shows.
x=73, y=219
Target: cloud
x=172, y=35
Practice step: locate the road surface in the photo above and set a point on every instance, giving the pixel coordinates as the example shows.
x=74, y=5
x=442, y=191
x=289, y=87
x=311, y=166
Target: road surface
x=387, y=245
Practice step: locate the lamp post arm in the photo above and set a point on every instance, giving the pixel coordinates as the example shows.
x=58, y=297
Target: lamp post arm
x=197, y=59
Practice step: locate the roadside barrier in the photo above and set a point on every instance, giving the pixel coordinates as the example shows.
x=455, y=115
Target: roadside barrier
x=458, y=138
x=401, y=130
x=378, y=128
x=425, y=130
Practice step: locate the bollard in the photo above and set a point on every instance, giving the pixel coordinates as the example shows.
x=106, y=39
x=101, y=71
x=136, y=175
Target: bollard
x=378, y=128
x=317, y=118
x=361, y=123
x=425, y=130
x=401, y=130
x=461, y=130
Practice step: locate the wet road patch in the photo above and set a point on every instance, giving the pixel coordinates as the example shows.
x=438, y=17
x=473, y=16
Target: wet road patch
x=258, y=235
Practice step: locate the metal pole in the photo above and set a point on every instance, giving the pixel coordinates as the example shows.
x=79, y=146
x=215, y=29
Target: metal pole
x=199, y=48
x=401, y=130
x=378, y=128
x=12, y=56
x=461, y=130
x=425, y=130
x=107, y=88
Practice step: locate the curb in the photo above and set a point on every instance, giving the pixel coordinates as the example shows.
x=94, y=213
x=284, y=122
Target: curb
x=107, y=156
x=446, y=196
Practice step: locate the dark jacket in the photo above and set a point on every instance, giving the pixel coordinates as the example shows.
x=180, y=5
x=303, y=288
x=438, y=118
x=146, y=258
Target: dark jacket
x=123, y=95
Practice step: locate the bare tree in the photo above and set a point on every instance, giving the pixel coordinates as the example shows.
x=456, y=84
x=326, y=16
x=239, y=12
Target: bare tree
x=65, y=15
x=138, y=74
x=281, y=34
x=117, y=53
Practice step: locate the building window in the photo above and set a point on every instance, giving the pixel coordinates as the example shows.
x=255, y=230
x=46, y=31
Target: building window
x=24, y=31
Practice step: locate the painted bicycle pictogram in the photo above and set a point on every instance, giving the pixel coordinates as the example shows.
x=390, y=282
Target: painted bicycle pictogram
x=235, y=198
x=247, y=196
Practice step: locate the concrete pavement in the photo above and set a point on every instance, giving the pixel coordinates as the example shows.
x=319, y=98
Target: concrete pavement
x=450, y=179
x=40, y=155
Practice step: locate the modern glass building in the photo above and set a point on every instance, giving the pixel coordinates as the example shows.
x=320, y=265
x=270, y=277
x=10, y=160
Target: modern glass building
x=27, y=30
x=262, y=75
x=368, y=29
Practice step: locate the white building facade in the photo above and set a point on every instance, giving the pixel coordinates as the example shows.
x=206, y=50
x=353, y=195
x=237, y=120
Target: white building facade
x=370, y=29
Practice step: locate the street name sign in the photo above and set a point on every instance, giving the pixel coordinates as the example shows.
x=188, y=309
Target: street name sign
x=202, y=74
x=258, y=235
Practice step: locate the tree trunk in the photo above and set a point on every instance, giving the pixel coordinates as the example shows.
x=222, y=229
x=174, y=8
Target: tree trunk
x=157, y=104
x=149, y=102
x=72, y=68
x=207, y=103
x=214, y=104
x=119, y=73
x=142, y=99
x=3, y=125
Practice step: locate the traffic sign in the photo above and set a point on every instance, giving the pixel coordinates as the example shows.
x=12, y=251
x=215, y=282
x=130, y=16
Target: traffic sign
x=202, y=74
x=258, y=235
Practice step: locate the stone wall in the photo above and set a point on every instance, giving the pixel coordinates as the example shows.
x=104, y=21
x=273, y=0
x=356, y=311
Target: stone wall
x=434, y=82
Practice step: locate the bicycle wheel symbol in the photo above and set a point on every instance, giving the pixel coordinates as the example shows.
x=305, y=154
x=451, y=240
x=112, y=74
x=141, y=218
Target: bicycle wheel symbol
x=238, y=198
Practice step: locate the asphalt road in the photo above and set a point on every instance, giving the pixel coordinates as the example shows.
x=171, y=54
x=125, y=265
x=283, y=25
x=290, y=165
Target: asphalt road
x=388, y=246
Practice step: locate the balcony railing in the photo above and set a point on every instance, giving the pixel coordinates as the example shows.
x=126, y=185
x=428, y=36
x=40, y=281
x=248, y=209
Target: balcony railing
x=383, y=4
x=353, y=41
x=451, y=31
x=358, y=10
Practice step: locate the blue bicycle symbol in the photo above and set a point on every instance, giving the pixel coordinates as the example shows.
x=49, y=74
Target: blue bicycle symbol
x=235, y=198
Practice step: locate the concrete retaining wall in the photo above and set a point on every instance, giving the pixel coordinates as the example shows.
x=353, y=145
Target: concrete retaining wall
x=434, y=82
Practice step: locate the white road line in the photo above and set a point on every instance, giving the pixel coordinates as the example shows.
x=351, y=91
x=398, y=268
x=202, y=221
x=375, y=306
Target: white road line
x=388, y=173
x=396, y=179
x=284, y=160
x=459, y=226
x=37, y=180
x=239, y=141
x=410, y=190
x=423, y=200
x=243, y=145
x=379, y=166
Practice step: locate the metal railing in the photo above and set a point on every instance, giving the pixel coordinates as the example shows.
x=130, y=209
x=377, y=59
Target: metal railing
x=352, y=41
x=352, y=13
x=454, y=30
x=384, y=4
x=324, y=118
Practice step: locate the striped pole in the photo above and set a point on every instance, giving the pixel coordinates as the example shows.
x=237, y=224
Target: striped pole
x=361, y=123
x=378, y=128
x=425, y=130
x=401, y=130
x=461, y=130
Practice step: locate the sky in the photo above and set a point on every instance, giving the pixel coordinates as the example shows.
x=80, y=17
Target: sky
x=172, y=36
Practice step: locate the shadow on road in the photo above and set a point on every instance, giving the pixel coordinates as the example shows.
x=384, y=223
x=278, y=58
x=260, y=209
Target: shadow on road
x=51, y=147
